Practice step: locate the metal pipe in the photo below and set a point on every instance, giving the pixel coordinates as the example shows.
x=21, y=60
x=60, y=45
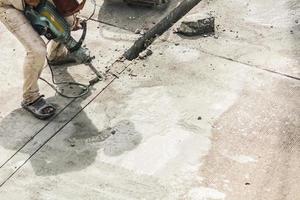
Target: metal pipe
x=142, y=43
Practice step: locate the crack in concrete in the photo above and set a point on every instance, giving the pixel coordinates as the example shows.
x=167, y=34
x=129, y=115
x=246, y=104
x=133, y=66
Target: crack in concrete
x=252, y=65
x=244, y=63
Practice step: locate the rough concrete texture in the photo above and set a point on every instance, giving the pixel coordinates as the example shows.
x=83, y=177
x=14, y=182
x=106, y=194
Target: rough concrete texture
x=131, y=18
x=197, y=27
x=199, y=119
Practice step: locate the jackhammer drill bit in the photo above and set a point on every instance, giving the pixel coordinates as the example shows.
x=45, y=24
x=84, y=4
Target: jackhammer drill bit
x=82, y=55
x=99, y=76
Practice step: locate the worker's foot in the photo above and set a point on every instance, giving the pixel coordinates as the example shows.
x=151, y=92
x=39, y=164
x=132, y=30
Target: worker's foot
x=68, y=59
x=40, y=108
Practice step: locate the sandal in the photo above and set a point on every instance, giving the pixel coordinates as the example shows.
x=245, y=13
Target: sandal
x=40, y=108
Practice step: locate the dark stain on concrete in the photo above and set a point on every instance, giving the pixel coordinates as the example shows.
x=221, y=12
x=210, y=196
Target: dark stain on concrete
x=132, y=17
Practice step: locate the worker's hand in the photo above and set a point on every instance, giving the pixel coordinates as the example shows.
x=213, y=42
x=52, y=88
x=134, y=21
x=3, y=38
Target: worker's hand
x=33, y=3
x=77, y=24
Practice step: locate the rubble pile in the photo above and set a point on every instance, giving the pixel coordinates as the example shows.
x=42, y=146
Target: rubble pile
x=197, y=27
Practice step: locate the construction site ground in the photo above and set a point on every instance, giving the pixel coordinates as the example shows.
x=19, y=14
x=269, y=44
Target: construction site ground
x=202, y=118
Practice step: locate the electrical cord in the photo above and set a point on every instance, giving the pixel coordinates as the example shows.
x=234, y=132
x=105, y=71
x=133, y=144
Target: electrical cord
x=94, y=10
x=83, y=93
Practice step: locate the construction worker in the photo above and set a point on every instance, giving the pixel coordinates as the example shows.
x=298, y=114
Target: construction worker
x=11, y=15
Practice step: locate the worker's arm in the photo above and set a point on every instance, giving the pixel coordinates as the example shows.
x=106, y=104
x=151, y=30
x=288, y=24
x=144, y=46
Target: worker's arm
x=33, y=3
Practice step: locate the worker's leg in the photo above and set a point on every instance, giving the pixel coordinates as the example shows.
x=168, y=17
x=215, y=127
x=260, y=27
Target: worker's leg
x=56, y=51
x=35, y=47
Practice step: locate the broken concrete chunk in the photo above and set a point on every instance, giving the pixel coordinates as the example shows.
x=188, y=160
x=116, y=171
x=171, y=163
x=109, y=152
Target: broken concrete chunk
x=137, y=31
x=145, y=54
x=198, y=27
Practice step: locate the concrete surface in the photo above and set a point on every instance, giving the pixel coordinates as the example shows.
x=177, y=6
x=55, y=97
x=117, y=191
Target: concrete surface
x=200, y=119
x=131, y=18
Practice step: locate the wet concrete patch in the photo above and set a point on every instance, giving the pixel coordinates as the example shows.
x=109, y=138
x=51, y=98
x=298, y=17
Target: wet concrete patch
x=125, y=138
x=113, y=140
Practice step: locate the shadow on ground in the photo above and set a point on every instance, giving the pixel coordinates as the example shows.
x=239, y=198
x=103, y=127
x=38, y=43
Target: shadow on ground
x=75, y=147
x=133, y=17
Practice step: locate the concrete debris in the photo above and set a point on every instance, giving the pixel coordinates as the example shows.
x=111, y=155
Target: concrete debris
x=137, y=31
x=142, y=32
x=145, y=54
x=197, y=27
x=132, y=75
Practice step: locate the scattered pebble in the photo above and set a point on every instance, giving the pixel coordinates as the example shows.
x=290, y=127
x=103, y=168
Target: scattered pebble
x=132, y=75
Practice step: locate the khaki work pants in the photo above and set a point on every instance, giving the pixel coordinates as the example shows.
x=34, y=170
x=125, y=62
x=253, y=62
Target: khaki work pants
x=36, y=50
